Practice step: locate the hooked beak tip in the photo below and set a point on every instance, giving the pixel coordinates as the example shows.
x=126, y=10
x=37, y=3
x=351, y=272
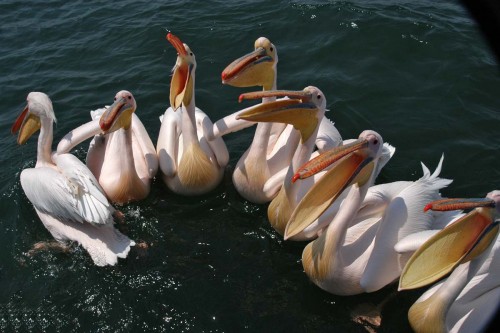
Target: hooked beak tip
x=102, y=125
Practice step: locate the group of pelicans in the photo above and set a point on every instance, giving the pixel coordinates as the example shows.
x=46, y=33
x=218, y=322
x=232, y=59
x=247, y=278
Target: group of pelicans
x=321, y=189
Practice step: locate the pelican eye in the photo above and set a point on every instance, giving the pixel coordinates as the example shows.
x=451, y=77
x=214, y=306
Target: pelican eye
x=191, y=54
x=375, y=141
x=114, y=99
x=272, y=49
x=319, y=96
x=129, y=97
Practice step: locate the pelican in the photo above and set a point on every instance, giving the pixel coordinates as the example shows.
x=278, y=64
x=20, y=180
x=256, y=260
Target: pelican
x=270, y=153
x=372, y=206
x=65, y=194
x=121, y=155
x=355, y=253
x=304, y=110
x=190, y=164
x=469, y=248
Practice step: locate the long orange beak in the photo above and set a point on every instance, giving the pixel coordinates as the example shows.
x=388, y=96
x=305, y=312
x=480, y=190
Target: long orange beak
x=458, y=243
x=181, y=85
x=27, y=124
x=326, y=159
x=353, y=164
x=176, y=43
x=298, y=110
x=252, y=69
x=117, y=115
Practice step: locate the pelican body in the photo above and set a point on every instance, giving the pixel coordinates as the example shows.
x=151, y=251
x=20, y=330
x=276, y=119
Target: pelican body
x=469, y=251
x=373, y=205
x=265, y=163
x=303, y=110
x=355, y=252
x=67, y=197
x=121, y=155
x=190, y=164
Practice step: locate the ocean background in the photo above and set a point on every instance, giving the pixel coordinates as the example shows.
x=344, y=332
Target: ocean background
x=418, y=72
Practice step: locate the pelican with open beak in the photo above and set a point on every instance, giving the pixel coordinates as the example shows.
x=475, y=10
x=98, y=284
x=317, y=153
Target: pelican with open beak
x=66, y=196
x=260, y=171
x=351, y=163
x=324, y=260
x=190, y=164
x=469, y=249
x=304, y=111
x=354, y=252
x=121, y=154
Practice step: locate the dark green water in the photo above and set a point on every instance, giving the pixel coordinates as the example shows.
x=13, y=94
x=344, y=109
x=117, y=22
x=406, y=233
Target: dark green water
x=418, y=72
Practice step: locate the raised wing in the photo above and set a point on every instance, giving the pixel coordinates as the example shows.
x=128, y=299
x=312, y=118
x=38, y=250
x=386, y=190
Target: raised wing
x=217, y=145
x=168, y=139
x=141, y=136
x=328, y=135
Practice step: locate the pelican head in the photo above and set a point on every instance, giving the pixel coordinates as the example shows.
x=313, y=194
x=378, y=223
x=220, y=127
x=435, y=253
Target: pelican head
x=28, y=122
x=257, y=68
x=446, y=251
x=119, y=114
x=459, y=242
x=303, y=109
x=182, y=84
x=352, y=163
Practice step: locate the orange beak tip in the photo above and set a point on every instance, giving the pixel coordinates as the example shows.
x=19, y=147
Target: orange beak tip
x=427, y=207
x=295, y=177
x=240, y=99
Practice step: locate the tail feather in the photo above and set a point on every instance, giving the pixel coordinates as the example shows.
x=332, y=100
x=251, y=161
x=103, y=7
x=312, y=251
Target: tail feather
x=104, y=243
x=108, y=247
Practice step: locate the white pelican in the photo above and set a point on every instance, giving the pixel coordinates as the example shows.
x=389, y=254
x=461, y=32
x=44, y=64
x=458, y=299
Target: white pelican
x=372, y=205
x=121, y=155
x=355, y=253
x=468, y=298
x=270, y=153
x=304, y=110
x=65, y=194
x=190, y=164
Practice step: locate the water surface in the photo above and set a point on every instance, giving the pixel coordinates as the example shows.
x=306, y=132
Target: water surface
x=418, y=72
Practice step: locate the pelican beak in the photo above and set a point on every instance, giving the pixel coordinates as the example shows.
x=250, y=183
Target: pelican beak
x=27, y=124
x=253, y=69
x=459, y=242
x=117, y=115
x=353, y=163
x=181, y=86
x=298, y=110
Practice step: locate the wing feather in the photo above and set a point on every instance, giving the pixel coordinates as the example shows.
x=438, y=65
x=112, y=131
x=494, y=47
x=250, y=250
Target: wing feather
x=69, y=193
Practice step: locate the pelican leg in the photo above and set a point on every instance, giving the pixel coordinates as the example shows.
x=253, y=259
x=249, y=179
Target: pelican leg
x=47, y=246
